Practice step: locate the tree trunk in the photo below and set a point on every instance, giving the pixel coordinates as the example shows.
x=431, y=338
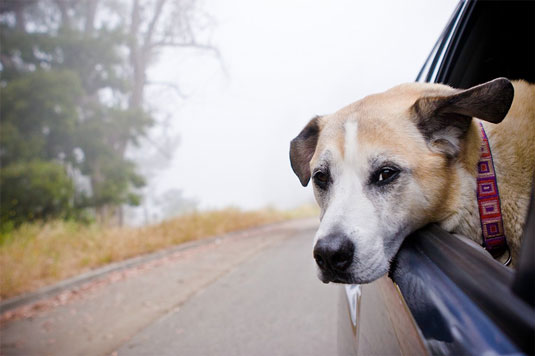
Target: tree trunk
x=90, y=12
x=20, y=20
x=65, y=19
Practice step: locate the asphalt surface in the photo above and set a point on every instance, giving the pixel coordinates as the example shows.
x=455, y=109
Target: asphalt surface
x=251, y=293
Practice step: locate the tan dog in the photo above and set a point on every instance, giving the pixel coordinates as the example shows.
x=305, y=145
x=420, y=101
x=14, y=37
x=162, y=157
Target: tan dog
x=393, y=162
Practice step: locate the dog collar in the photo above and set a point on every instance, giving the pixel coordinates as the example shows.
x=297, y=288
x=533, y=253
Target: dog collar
x=488, y=200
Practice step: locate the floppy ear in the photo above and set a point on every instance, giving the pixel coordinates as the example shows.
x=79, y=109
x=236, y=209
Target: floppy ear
x=302, y=149
x=443, y=120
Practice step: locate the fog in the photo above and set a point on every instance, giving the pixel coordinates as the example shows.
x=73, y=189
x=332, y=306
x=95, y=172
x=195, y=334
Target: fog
x=281, y=63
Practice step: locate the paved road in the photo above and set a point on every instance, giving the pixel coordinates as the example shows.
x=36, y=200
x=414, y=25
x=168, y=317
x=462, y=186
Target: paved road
x=250, y=293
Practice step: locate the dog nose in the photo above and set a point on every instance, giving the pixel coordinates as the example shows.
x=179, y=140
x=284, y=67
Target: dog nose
x=334, y=252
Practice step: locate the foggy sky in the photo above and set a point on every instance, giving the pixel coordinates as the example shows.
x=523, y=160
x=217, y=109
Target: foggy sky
x=283, y=63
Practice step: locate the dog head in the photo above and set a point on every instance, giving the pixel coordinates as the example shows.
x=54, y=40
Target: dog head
x=382, y=168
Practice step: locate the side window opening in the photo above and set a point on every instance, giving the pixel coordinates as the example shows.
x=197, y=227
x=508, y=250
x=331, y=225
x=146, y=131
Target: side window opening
x=498, y=41
x=430, y=64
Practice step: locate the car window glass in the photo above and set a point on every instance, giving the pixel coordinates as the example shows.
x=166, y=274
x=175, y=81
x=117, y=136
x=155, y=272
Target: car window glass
x=498, y=41
x=430, y=65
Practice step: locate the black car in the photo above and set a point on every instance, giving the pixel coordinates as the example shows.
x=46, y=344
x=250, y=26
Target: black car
x=445, y=294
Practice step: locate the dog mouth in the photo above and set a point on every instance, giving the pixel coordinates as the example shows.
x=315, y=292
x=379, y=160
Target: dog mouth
x=367, y=275
x=340, y=281
x=342, y=278
x=346, y=279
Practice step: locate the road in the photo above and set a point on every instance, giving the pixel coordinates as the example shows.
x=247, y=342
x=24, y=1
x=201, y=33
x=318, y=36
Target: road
x=250, y=293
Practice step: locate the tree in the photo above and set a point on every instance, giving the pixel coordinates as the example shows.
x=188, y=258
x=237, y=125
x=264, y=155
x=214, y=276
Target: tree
x=74, y=74
x=53, y=78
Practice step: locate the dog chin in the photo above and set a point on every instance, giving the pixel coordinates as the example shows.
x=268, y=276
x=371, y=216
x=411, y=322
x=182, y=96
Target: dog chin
x=353, y=277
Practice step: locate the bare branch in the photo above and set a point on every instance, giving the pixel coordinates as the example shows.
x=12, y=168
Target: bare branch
x=158, y=148
x=188, y=44
x=195, y=45
x=154, y=21
x=171, y=85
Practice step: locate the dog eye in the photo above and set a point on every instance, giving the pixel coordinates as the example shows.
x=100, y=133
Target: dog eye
x=385, y=175
x=321, y=179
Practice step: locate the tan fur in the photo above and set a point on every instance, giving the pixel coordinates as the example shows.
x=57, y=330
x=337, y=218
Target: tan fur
x=512, y=145
x=449, y=189
x=513, y=148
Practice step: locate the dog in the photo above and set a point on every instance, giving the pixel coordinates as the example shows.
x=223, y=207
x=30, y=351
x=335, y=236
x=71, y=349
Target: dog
x=396, y=161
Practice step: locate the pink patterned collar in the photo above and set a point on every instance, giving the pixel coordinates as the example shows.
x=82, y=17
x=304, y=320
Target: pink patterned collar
x=488, y=199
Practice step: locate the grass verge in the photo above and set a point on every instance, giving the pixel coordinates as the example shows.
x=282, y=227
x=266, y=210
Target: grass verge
x=36, y=255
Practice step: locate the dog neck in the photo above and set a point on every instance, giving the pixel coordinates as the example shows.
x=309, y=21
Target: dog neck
x=461, y=214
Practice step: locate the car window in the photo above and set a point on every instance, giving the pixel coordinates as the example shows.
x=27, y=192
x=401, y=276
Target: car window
x=430, y=66
x=498, y=41
x=483, y=40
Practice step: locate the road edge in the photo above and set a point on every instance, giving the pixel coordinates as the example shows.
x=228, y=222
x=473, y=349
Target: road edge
x=70, y=283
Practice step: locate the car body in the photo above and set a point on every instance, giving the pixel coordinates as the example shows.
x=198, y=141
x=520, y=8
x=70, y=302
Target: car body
x=444, y=293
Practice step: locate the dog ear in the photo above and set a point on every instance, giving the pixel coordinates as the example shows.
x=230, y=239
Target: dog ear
x=302, y=149
x=443, y=120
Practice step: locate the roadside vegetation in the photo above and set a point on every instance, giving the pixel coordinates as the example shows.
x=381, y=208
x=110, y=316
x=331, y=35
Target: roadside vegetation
x=39, y=254
x=75, y=110
x=74, y=83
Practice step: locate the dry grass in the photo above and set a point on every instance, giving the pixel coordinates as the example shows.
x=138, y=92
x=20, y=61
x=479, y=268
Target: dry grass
x=36, y=255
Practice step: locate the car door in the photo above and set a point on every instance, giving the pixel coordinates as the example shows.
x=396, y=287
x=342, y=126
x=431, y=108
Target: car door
x=445, y=295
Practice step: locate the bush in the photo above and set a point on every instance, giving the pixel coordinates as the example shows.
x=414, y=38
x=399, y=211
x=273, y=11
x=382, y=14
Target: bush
x=32, y=191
